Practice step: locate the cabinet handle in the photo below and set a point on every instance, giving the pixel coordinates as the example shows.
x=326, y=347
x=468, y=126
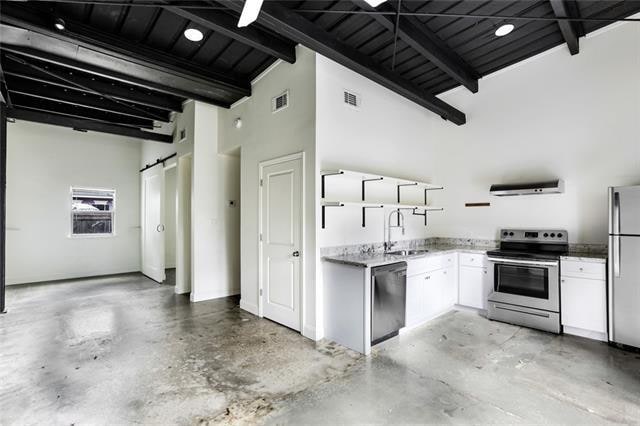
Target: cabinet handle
x=427, y=277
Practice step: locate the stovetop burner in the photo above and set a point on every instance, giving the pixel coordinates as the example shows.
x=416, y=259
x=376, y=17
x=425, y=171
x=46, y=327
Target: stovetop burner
x=546, y=244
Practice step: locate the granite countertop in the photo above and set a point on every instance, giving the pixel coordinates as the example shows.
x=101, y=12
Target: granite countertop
x=586, y=256
x=372, y=259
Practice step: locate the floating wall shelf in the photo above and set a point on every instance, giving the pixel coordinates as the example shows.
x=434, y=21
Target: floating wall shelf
x=365, y=178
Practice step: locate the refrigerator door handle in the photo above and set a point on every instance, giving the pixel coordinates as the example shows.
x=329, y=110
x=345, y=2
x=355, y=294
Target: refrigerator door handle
x=616, y=255
x=616, y=212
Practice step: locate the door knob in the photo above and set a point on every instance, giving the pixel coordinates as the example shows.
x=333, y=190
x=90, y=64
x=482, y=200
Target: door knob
x=160, y=228
x=296, y=254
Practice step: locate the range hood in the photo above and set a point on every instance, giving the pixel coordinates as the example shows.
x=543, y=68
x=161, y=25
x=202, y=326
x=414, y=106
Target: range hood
x=549, y=187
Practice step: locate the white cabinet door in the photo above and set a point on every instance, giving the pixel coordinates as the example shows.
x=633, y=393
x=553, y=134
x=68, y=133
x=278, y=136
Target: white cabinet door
x=414, y=311
x=473, y=288
x=432, y=294
x=584, y=304
x=450, y=287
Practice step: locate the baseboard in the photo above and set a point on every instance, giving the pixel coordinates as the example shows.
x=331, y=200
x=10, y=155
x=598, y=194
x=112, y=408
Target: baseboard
x=249, y=307
x=195, y=297
x=65, y=277
x=595, y=335
x=312, y=332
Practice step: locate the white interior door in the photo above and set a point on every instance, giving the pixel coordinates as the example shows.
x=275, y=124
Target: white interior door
x=152, y=221
x=281, y=219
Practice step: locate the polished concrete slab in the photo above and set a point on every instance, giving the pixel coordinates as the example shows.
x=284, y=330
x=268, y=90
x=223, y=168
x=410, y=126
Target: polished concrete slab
x=124, y=349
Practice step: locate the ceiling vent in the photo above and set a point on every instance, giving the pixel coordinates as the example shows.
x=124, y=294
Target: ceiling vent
x=280, y=102
x=352, y=99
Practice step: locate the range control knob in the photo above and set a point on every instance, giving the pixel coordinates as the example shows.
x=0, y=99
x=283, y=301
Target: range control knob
x=546, y=234
x=511, y=234
x=505, y=233
x=560, y=235
x=553, y=235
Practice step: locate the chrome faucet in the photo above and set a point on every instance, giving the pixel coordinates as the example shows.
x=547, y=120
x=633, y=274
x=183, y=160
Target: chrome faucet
x=388, y=244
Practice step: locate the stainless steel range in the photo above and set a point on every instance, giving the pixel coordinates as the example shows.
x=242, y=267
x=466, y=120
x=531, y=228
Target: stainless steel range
x=525, y=273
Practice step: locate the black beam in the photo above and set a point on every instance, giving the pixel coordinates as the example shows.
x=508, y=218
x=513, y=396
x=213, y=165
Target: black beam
x=426, y=43
x=3, y=201
x=227, y=25
x=58, y=94
x=219, y=82
x=564, y=9
x=82, y=124
x=117, y=91
x=293, y=26
x=89, y=60
x=110, y=74
x=45, y=105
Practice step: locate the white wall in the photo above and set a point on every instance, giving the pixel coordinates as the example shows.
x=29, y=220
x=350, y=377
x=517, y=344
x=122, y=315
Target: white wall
x=170, y=210
x=43, y=163
x=265, y=136
x=553, y=116
x=213, y=228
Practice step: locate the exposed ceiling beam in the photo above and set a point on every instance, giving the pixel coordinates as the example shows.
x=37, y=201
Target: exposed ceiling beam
x=54, y=93
x=118, y=91
x=293, y=26
x=82, y=124
x=124, y=56
x=107, y=73
x=570, y=30
x=54, y=107
x=227, y=25
x=426, y=43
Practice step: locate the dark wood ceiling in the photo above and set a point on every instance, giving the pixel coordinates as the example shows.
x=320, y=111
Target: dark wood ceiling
x=127, y=63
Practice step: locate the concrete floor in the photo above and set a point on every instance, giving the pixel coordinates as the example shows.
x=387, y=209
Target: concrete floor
x=126, y=350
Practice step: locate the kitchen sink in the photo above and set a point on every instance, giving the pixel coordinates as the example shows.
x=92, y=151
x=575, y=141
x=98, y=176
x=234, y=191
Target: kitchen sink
x=406, y=252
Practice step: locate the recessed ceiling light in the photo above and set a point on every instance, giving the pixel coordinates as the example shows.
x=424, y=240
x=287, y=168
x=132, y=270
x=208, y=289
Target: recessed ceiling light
x=59, y=24
x=505, y=29
x=375, y=3
x=193, y=34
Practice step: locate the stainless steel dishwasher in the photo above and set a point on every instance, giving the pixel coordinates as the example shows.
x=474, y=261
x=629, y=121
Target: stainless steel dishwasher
x=388, y=300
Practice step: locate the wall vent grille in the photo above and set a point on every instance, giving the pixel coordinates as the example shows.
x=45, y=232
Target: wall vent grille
x=351, y=99
x=280, y=102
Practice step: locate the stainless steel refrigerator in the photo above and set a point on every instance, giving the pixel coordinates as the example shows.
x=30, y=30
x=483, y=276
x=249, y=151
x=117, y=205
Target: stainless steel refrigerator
x=624, y=265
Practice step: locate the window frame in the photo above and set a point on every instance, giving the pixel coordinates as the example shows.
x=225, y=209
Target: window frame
x=113, y=213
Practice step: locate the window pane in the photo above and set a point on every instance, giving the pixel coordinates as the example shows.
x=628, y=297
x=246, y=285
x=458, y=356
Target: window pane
x=92, y=211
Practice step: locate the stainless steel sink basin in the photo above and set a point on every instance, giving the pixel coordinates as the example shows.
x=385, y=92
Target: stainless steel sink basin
x=406, y=252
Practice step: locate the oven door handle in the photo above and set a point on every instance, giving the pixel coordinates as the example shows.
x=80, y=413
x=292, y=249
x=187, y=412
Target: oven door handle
x=523, y=262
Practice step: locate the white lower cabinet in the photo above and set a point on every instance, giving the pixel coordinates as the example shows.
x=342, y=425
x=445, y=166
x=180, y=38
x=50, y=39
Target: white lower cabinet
x=583, y=296
x=474, y=287
x=415, y=300
x=430, y=294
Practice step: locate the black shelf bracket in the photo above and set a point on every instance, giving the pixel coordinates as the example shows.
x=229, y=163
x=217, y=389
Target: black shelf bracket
x=424, y=213
x=324, y=213
x=364, y=210
x=364, y=181
x=324, y=176
x=398, y=196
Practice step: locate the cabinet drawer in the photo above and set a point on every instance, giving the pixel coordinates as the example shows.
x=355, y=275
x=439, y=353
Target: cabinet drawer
x=473, y=259
x=592, y=270
x=430, y=263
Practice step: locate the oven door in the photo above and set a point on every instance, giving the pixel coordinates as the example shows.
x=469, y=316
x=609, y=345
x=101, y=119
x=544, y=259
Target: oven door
x=529, y=283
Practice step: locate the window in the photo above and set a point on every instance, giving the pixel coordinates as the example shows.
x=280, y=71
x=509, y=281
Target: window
x=92, y=211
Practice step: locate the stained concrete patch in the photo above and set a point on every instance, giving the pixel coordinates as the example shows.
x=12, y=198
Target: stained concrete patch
x=125, y=350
